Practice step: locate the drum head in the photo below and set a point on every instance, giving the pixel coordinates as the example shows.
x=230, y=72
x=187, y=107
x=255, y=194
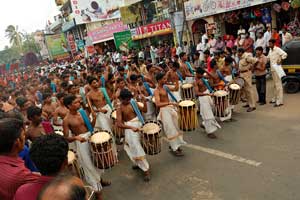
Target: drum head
x=186, y=103
x=240, y=82
x=153, y=99
x=71, y=157
x=187, y=85
x=100, y=137
x=114, y=114
x=234, y=86
x=151, y=128
x=59, y=132
x=140, y=104
x=220, y=93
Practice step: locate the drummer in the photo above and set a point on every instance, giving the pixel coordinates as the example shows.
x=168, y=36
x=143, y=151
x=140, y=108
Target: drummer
x=61, y=111
x=187, y=74
x=173, y=79
x=168, y=115
x=127, y=119
x=206, y=104
x=75, y=122
x=97, y=103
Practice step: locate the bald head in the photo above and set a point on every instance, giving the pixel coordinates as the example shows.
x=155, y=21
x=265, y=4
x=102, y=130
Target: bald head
x=64, y=187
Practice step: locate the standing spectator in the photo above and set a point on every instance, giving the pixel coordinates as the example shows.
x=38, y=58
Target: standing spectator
x=239, y=42
x=49, y=154
x=220, y=45
x=186, y=48
x=252, y=31
x=268, y=34
x=153, y=53
x=192, y=50
x=212, y=43
x=276, y=55
x=260, y=28
x=161, y=53
x=248, y=44
x=197, y=61
x=204, y=37
x=260, y=42
x=173, y=51
x=178, y=49
x=147, y=53
x=141, y=54
x=230, y=41
x=241, y=32
x=260, y=75
x=167, y=50
x=12, y=170
x=276, y=37
x=286, y=36
x=207, y=60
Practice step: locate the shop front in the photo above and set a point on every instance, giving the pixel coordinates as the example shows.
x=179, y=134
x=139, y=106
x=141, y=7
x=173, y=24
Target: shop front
x=102, y=36
x=228, y=16
x=156, y=33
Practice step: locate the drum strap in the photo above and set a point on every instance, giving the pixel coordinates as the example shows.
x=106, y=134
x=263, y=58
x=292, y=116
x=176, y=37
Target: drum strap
x=190, y=67
x=148, y=88
x=205, y=82
x=107, y=99
x=86, y=120
x=102, y=81
x=170, y=93
x=179, y=76
x=221, y=76
x=53, y=87
x=137, y=110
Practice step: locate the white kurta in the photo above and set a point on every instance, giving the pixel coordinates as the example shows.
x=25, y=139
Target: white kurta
x=209, y=122
x=133, y=145
x=92, y=174
x=169, y=118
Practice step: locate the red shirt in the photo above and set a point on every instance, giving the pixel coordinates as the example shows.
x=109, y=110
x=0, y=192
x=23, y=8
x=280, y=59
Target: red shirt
x=13, y=174
x=30, y=191
x=208, y=60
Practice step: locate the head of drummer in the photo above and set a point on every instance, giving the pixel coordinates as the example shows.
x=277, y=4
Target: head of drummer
x=200, y=72
x=93, y=82
x=121, y=83
x=161, y=78
x=125, y=96
x=72, y=102
x=134, y=79
x=174, y=66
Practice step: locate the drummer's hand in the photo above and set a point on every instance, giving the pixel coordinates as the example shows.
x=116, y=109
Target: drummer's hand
x=94, y=115
x=80, y=139
x=135, y=129
x=173, y=103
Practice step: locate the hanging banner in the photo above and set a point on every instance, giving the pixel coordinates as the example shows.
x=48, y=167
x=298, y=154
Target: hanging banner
x=72, y=44
x=151, y=30
x=123, y=41
x=195, y=9
x=106, y=32
x=57, y=46
x=86, y=11
x=131, y=14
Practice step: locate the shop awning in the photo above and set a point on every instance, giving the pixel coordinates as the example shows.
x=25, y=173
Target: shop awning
x=195, y=9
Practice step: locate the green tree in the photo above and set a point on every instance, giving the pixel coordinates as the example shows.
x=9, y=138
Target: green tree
x=29, y=44
x=14, y=36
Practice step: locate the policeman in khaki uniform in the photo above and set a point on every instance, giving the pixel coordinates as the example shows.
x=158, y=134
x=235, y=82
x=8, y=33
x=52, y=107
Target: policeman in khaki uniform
x=246, y=63
x=276, y=55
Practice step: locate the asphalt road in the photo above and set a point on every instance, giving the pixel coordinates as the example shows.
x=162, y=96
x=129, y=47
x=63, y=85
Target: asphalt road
x=255, y=157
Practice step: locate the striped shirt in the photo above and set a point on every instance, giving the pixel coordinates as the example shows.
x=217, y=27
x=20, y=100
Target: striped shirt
x=13, y=174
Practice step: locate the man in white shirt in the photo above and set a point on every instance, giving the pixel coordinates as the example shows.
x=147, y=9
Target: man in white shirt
x=212, y=44
x=286, y=36
x=276, y=55
x=178, y=49
x=141, y=54
x=186, y=48
x=260, y=42
x=204, y=37
x=268, y=34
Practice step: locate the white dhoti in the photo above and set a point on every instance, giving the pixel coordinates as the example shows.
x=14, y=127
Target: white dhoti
x=150, y=114
x=133, y=145
x=169, y=118
x=103, y=120
x=209, y=122
x=92, y=174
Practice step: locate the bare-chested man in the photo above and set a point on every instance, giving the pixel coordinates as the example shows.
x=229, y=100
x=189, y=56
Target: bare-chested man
x=98, y=104
x=35, y=129
x=74, y=122
x=209, y=122
x=173, y=79
x=168, y=116
x=61, y=111
x=128, y=120
x=186, y=74
x=49, y=107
